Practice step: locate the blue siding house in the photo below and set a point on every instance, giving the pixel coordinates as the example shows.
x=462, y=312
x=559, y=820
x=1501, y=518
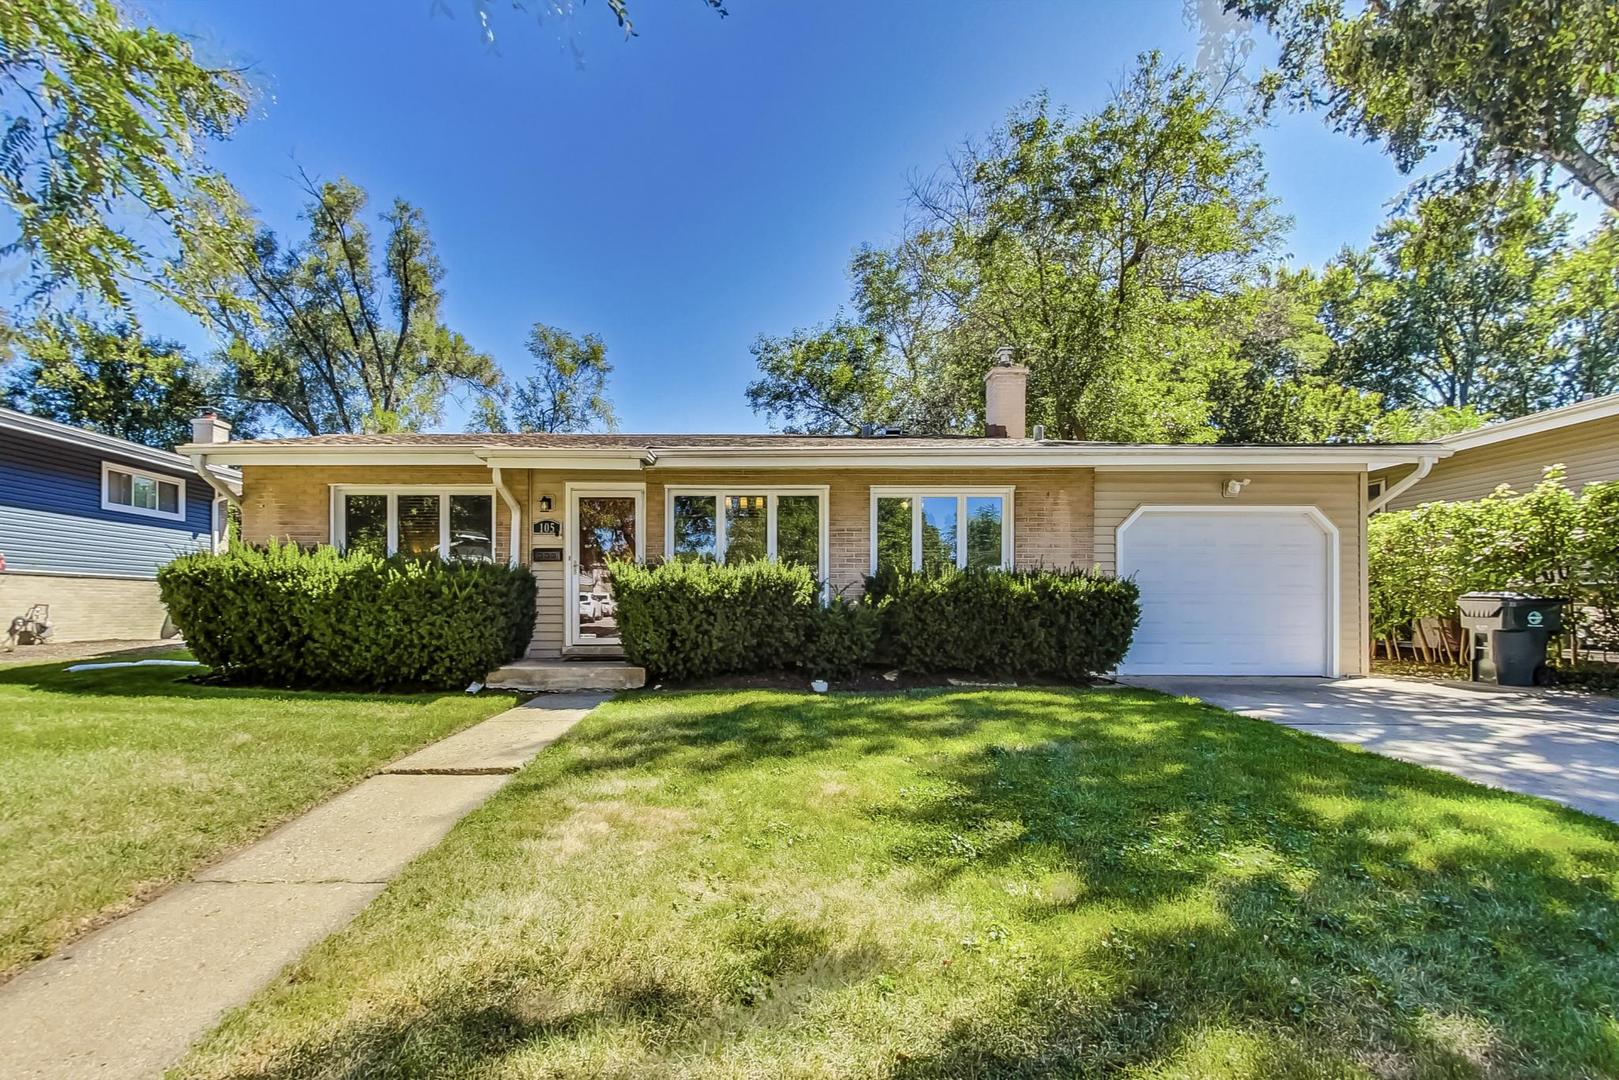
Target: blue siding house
x=85, y=521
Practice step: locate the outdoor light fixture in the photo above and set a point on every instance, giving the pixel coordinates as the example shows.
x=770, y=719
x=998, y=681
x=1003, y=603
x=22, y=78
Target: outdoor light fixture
x=1233, y=488
x=545, y=504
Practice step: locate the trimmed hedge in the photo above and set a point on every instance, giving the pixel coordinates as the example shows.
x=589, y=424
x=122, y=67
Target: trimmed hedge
x=691, y=620
x=1067, y=624
x=282, y=616
x=686, y=619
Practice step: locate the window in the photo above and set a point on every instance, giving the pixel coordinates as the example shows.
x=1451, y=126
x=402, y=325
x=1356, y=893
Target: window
x=736, y=526
x=451, y=524
x=929, y=530
x=134, y=492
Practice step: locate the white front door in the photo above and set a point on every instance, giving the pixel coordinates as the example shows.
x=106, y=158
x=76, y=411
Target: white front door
x=603, y=524
x=1231, y=591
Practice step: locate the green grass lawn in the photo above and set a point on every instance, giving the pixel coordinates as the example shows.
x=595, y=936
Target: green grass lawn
x=1003, y=883
x=115, y=783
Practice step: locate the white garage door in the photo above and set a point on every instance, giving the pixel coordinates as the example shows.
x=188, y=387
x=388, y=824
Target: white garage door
x=1229, y=591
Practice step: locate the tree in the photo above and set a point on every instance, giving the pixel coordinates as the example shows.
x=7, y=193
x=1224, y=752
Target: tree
x=318, y=332
x=1446, y=308
x=566, y=393
x=103, y=122
x=1583, y=301
x=1516, y=83
x=1103, y=249
x=112, y=380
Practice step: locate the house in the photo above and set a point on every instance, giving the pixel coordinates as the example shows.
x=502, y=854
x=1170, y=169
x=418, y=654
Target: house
x=86, y=519
x=1250, y=558
x=1583, y=438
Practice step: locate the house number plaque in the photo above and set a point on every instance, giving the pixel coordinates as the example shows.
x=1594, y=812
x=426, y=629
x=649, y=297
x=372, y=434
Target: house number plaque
x=548, y=527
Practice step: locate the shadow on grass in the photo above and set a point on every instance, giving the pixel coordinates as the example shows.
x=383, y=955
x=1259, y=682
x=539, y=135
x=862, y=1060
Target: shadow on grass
x=1291, y=904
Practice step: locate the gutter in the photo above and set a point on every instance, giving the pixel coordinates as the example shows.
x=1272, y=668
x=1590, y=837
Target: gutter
x=1425, y=466
x=512, y=507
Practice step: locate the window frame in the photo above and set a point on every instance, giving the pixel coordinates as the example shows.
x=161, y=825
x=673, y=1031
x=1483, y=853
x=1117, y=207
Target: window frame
x=771, y=492
x=338, y=512
x=961, y=495
x=109, y=467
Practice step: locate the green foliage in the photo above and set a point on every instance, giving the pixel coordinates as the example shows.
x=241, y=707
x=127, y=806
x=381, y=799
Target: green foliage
x=100, y=115
x=111, y=380
x=1066, y=624
x=689, y=619
x=826, y=381
x=841, y=638
x=282, y=616
x=1548, y=540
x=566, y=393
x=1516, y=84
x=328, y=334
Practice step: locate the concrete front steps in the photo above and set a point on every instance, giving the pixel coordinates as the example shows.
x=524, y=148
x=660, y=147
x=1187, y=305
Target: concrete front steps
x=566, y=676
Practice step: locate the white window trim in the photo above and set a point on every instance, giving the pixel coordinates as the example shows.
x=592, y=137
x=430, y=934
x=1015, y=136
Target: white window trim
x=961, y=494
x=108, y=467
x=822, y=493
x=443, y=491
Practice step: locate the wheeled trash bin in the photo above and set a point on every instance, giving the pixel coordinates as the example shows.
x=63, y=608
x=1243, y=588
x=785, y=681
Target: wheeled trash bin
x=1506, y=635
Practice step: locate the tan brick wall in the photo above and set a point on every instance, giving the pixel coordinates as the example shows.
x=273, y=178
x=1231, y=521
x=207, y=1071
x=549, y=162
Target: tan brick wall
x=87, y=608
x=1339, y=496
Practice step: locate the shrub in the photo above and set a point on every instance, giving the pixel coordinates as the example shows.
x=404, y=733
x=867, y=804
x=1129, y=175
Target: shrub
x=1068, y=624
x=688, y=620
x=840, y=639
x=282, y=616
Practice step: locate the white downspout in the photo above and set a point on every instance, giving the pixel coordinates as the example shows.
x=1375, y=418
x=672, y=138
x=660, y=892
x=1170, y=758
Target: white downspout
x=200, y=463
x=512, y=506
x=1424, y=467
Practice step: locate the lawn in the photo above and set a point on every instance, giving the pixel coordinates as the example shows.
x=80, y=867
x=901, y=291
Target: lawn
x=990, y=883
x=119, y=782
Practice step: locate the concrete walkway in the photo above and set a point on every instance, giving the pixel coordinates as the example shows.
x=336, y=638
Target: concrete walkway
x=1560, y=745
x=127, y=1000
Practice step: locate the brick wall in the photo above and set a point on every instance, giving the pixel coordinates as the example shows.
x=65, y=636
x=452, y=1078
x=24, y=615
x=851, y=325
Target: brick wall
x=87, y=608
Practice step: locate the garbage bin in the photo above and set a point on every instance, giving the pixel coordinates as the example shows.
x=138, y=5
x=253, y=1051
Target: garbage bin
x=1507, y=634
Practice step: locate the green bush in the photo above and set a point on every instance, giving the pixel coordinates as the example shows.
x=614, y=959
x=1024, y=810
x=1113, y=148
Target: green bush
x=841, y=638
x=282, y=616
x=1068, y=624
x=686, y=619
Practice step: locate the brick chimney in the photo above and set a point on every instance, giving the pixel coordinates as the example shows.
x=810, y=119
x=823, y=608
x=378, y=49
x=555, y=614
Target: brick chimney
x=1005, y=396
x=209, y=428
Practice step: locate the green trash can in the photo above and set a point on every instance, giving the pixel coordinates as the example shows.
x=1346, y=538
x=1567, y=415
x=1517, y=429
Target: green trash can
x=1507, y=634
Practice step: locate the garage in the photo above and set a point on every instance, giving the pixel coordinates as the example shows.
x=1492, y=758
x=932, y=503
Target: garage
x=1243, y=590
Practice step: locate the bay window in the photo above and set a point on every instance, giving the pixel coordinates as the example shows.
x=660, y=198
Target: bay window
x=735, y=525
x=929, y=529
x=449, y=523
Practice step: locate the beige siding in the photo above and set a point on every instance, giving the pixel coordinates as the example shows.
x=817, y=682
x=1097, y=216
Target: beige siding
x=87, y=608
x=1590, y=452
x=1339, y=496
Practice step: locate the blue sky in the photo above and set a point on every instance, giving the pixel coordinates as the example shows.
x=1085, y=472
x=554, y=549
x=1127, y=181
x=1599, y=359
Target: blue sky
x=688, y=189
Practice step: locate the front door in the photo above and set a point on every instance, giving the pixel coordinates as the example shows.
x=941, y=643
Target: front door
x=605, y=525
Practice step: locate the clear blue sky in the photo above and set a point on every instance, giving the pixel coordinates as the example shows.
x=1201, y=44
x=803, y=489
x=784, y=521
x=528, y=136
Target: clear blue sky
x=688, y=189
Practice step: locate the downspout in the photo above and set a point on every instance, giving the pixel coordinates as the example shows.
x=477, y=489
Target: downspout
x=200, y=463
x=512, y=507
x=1424, y=467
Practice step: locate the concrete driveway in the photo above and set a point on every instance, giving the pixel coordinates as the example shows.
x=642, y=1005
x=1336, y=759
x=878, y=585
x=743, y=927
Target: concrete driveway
x=1558, y=745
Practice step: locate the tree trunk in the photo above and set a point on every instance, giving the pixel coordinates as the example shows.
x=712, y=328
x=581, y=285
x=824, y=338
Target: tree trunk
x=1589, y=170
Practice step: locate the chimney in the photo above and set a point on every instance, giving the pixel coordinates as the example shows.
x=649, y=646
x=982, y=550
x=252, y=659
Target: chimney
x=1005, y=396
x=209, y=428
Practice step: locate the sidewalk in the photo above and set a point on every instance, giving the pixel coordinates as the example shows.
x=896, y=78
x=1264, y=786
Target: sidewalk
x=128, y=1000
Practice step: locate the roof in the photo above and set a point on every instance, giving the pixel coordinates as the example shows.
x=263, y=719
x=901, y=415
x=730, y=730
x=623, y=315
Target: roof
x=1581, y=412
x=636, y=451
x=12, y=420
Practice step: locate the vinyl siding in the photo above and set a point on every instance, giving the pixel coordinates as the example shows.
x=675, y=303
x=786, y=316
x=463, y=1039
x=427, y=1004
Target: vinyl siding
x=1589, y=451
x=52, y=521
x=1339, y=496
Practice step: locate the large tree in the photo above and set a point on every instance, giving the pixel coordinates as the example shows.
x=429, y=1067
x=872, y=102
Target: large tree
x=1516, y=84
x=566, y=392
x=1447, y=307
x=112, y=380
x=103, y=124
x=1583, y=302
x=329, y=333
x=1102, y=248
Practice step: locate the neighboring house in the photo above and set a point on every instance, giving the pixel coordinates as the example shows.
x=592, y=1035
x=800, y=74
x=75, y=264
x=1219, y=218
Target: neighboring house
x=1583, y=438
x=1250, y=558
x=86, y=520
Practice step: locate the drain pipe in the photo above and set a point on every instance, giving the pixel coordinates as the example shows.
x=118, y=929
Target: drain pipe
x=512, y=506
x=199, y=462
x=1424, y=467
